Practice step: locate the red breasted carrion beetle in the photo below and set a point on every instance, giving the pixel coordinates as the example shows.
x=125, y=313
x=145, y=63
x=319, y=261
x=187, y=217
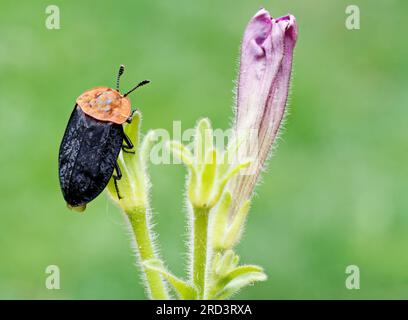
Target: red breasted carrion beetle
x=92, y=142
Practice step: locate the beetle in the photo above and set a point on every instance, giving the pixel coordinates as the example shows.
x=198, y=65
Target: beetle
x=92, y=142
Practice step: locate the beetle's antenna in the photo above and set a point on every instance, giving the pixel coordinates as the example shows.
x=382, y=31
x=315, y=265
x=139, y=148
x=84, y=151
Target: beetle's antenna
x=121, y=70
x=138, y=85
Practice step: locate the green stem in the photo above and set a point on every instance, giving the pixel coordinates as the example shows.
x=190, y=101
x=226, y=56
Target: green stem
x=200, y=249
x=155, y=286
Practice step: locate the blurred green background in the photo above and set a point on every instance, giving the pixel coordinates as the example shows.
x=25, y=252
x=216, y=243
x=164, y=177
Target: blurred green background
x=334, y=195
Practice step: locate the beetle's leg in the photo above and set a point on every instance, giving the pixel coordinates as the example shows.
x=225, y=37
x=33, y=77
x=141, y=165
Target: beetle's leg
x=129, y=120
x=128, y=144
x=116, y=178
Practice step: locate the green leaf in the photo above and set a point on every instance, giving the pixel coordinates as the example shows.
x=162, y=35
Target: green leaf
x=238, y=271
x=184, y=290
x=236, y=284
x=225, y=264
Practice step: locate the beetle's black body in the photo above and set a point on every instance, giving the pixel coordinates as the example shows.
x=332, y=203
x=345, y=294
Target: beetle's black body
x=90, y=147
x=87, y=157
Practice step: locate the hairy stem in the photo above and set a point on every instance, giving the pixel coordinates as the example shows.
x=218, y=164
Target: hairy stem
x=200, y=232
x=139, y=221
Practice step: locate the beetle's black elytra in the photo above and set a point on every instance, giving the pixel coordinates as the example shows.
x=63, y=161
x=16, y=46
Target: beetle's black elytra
x=87, y=157
x=90, y=146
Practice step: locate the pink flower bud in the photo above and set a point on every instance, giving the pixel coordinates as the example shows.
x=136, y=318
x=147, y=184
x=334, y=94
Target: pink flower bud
x=263, y=84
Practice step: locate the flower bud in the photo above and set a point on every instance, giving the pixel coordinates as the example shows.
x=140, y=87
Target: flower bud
x=263, y=84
